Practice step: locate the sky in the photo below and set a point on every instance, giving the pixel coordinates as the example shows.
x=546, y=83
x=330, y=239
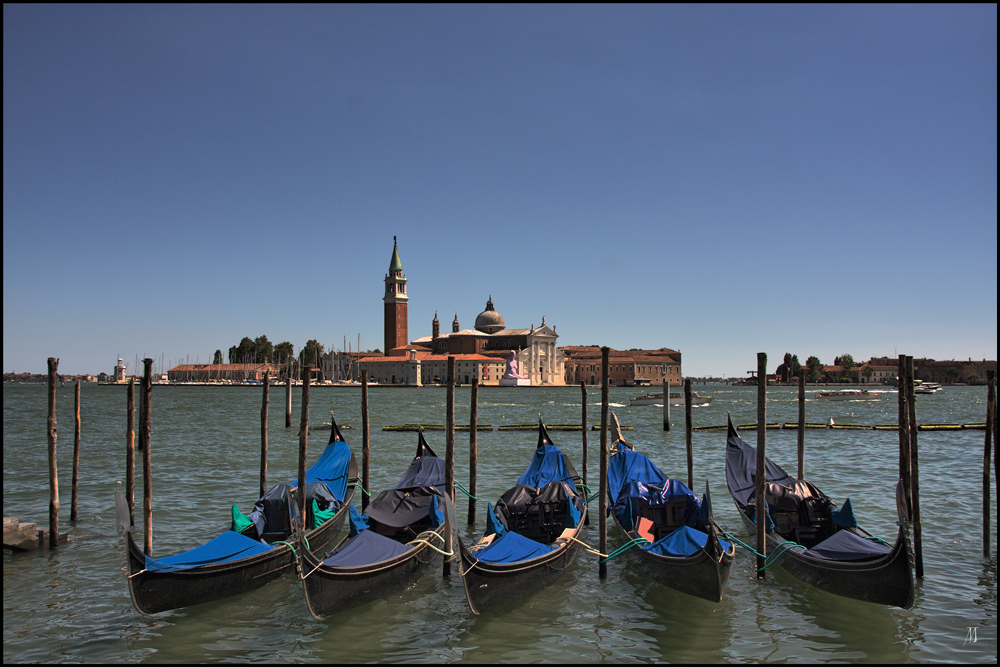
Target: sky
x=718, y=180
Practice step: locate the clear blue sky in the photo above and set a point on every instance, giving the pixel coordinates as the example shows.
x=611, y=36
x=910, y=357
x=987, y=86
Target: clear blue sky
x=722, y=180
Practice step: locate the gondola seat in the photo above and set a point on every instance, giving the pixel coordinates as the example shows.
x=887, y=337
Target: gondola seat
x=538, y=514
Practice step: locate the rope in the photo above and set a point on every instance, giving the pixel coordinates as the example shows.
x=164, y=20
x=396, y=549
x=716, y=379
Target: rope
x=421, y=539
x=588, y=548
x=635, y=541
x=875, y=538
x=465, y=491
x=364, y=490
x=769, y=559
x=292, y=546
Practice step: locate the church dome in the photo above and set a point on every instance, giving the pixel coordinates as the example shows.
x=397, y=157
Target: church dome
x=490, y=321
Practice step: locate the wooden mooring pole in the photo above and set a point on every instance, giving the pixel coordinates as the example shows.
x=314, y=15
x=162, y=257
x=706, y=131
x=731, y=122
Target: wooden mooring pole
x=760, y=511
x=76, y=455
x=583, y=430
x=802, y=424
x=53, y=475
x=904, y=435
x=666, y=405
x=365, y=443
x=987, y=447
x=147, y=459
x=288, y=397
x=911, y=404
x=473, y=447
x=688, y=428
x=263, y=434
x=303, y=445
x=130, y=451
x=449, y=458
x=602, y=522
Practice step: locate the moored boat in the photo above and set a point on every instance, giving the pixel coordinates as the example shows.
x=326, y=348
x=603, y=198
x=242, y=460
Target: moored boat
x=675, y=399
x=814, y=540
x=531, y=535
x=254, y=551
x=400, y=533
x=851, y=395
x=676, y=537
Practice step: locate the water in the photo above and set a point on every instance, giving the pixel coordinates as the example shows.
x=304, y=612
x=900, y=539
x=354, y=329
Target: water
x=73, y=604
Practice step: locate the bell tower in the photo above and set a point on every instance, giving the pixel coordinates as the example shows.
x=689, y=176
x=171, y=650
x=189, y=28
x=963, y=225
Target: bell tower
x=395, y=299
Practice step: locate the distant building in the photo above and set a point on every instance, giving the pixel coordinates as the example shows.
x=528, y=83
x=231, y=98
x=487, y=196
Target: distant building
x=484, y=349
x=221, y=372
x=420, y=367
x=626, y=367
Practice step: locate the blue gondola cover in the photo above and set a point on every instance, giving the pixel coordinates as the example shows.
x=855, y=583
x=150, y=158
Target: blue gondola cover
x=547, y=465
x=684, y=541
x=226, y=547
x=365, y=548
x=845, y=545
x=359, y=521
x=331, y=467
x=494, y=524
x=512, y=548
x=844, y=516
x=627, y=465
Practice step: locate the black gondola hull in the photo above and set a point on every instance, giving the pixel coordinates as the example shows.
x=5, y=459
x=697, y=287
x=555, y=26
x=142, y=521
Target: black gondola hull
x=887, y=580
x=699, y=575
x=153, y=592
x=492, y=585
x=330, y=590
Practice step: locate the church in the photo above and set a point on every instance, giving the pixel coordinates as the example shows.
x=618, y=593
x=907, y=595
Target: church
x=482, y=354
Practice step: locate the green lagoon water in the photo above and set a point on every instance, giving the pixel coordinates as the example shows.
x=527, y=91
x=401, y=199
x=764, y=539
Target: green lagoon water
x=73, y=605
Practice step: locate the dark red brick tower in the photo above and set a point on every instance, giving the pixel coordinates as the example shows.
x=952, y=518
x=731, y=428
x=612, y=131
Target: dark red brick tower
x=396, y=331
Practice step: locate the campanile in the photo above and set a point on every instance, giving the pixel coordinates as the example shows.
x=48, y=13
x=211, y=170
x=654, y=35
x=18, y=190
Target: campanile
x=396, y=332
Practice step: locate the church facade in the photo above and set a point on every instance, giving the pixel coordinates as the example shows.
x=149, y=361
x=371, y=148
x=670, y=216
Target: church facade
x=481, y=353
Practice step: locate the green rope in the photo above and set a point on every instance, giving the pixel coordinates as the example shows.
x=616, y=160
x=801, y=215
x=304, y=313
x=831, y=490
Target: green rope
x=874, y=538
x=292, y=547
x=634, y=542
x=771, y=559
x=768, y=560
x=593, y=497
x=364, y=490
x=465, y=491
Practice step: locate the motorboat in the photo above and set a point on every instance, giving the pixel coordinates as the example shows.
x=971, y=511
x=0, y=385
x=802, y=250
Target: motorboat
x=850, y=395
x=675, y=399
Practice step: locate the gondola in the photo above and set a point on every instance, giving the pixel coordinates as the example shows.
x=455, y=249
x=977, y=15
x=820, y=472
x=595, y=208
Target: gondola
x=531, y=535
x=255, y=551
x=835, y=554
x=681, y=547
x=400, y=533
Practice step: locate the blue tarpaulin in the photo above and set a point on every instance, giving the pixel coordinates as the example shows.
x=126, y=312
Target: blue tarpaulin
x=366, y=548
x=512, y=548
x=845, y=545
x=547, y=465
x=628, y=465
x=332, y=468
x=226, y=547
x=684, y=541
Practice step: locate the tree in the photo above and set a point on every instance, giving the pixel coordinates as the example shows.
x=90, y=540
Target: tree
x=263, y=350
x=868, y=371
x=814, y=369
x=218, y=357
x=846, y=362
x=281, y=353
x=243, y=353
x=311, y=354
x=785, y=368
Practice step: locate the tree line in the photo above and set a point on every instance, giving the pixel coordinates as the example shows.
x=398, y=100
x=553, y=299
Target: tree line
x=262, y=351
x=814, y=372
